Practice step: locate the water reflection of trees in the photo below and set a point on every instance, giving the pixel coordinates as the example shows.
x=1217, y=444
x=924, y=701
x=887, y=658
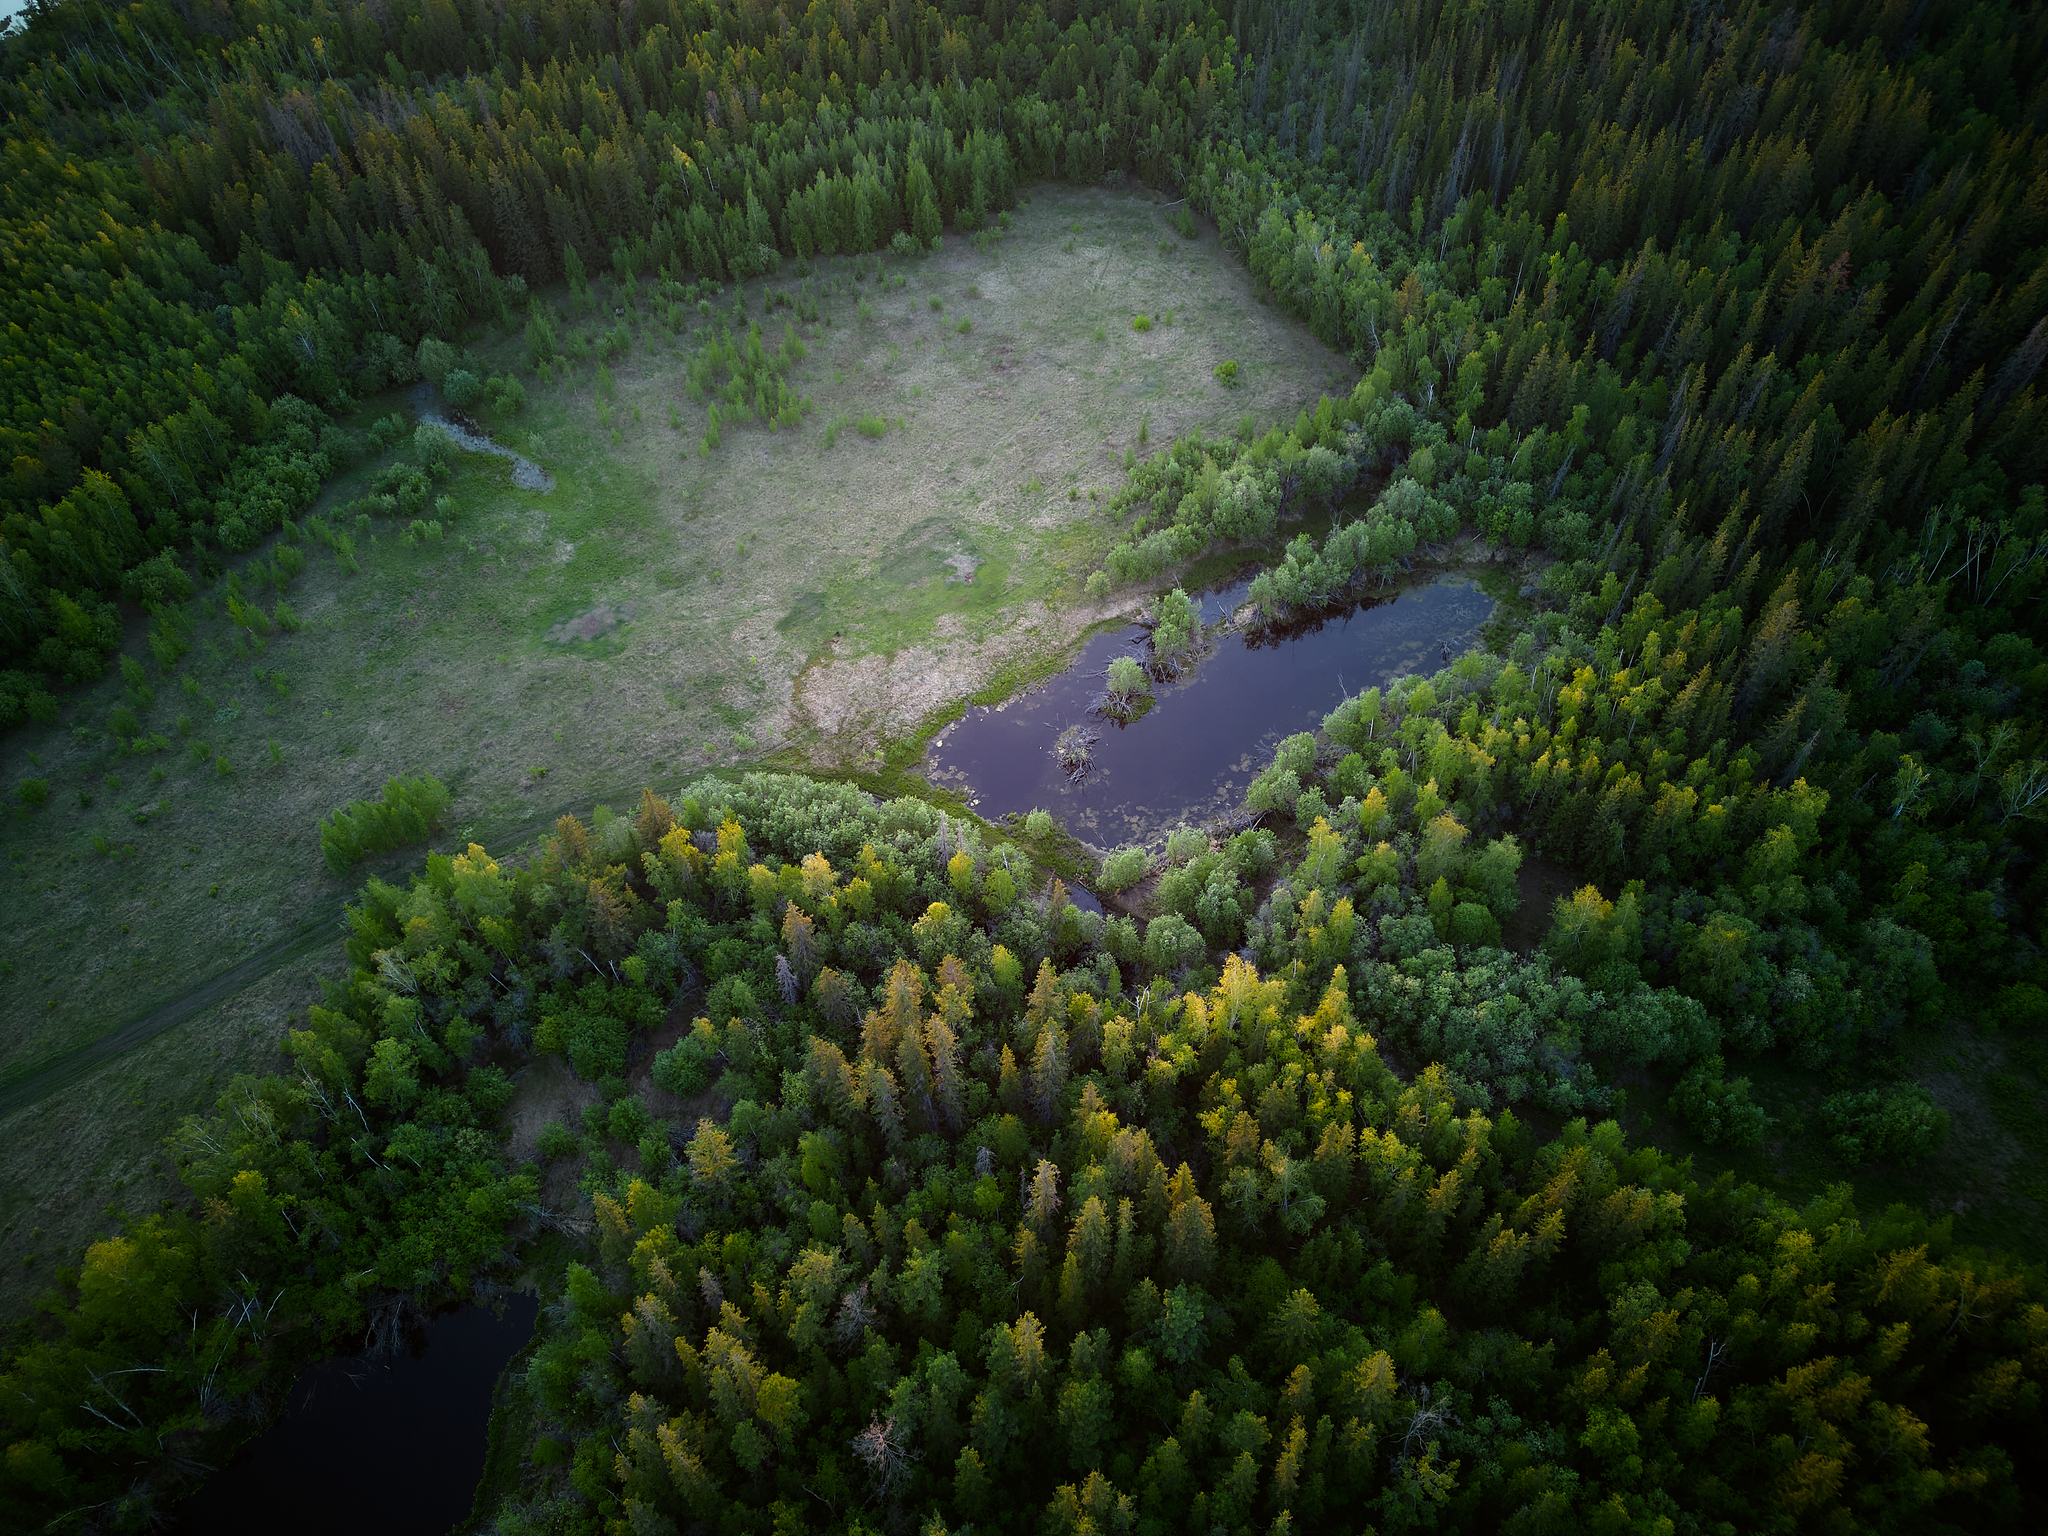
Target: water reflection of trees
x=1270, y=634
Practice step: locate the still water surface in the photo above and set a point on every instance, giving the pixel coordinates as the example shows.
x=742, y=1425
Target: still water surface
x=393, y=1448
x=1191, y=757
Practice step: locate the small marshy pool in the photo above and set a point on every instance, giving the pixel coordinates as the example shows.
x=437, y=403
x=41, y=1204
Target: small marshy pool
x=392, y=1446
x=471, y=438
x=1192, y=754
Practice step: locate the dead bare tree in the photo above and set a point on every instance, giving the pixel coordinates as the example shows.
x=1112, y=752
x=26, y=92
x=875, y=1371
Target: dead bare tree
x=884, y=1451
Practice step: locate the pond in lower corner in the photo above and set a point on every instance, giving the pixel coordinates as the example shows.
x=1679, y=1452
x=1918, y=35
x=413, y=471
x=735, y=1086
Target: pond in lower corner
x=1192, y=755
x=393, y=1446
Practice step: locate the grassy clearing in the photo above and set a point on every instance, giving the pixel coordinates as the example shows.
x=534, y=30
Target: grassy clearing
x=93, y=1146
x=660, y=611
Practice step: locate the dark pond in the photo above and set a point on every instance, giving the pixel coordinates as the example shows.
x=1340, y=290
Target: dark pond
x=393, y=1447
x=1192, y=755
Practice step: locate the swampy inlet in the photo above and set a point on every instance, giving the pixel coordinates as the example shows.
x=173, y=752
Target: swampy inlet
x=1188, y=757
x=1022, y=770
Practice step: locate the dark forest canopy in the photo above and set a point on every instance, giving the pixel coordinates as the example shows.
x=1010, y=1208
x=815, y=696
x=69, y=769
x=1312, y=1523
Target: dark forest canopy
x=1736, y=314
x=1766, y=275
x=1001, y=1227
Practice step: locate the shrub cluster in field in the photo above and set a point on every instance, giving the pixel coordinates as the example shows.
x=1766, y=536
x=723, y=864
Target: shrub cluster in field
x=294, y=446
x=252, y=600
x=405, y=485
x=754, y=386
x=410, y=812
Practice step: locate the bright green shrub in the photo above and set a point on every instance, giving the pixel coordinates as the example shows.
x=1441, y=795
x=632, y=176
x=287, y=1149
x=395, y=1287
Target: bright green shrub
x=1124, y=868
x=409, y=813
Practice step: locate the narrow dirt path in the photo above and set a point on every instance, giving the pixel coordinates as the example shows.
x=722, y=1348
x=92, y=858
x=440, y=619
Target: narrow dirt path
x=41, y=1080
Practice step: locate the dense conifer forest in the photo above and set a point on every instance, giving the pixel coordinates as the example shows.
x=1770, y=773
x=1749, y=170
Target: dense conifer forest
x=1289, y=1195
